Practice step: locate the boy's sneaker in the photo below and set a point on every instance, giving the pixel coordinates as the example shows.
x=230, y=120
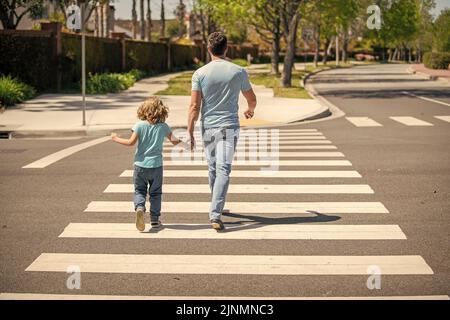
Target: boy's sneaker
x=155, y=223
x=140, y=222
x=217, y=225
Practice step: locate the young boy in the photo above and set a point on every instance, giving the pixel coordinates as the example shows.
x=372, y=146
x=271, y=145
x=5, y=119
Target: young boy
x=148, y=171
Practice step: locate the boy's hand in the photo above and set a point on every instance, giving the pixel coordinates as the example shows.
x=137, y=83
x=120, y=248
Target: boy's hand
x=113, y=136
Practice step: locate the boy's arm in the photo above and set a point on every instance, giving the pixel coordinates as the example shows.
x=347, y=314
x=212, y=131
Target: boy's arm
x=125, y=142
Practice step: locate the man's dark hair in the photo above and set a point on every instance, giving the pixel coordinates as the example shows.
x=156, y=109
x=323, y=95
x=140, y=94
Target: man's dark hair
x=217, y=42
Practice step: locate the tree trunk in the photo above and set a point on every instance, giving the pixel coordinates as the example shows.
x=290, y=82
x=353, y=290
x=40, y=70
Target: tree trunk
x=344, y=46
x=286, y=78
x=337, y=49
x=327, y=48
x=163, y=20
x=275, y=54
x=102, y=22
x=317, y=52
x=142, y=20
x=134, y=19
x=149, y=21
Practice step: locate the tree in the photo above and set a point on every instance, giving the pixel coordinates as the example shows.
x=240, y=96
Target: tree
x=142, y=28
x=149, y=21
x=441, y=38
x=9, y=11
x=163, y=20
x=290, y=18
x=134, y=19
x=180, y=12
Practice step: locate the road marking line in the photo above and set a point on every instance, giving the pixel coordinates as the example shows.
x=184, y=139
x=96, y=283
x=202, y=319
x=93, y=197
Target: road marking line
x=243, y=232
x=257, y=174
x=268, y=134
x=230, y=264
x=443, y=118
x=242, y=143
x=259, y=149
x=411, y=121
x=54, y=157
x=47, y=296
x=248, y=207
x=265, y=163
x=262, y=155
x=363, y=122
x=426, y=99
x=280, y=138
x=255, y=188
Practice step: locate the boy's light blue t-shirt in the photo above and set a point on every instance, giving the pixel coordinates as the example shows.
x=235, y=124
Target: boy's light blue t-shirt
x=220, y=82
x=150, y=143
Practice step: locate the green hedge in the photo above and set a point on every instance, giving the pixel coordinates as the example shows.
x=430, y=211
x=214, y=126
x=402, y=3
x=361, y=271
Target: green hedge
x=183, y=56
x=148, y=56
x=13, y=91
x=112, y=82
x=102, y=56
x=27, y=56
x=436, y=60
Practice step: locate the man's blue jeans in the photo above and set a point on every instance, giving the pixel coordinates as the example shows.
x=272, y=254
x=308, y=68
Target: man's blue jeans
x=148, y=180
x=220, y=145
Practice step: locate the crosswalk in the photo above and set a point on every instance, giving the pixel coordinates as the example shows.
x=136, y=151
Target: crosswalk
x=266, y=218
x=401, y=120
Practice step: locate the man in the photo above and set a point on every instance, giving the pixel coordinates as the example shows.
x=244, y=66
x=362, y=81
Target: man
x=216, y=87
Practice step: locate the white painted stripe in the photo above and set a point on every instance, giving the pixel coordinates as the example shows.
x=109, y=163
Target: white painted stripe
x=230, y=264
x=255, y=188
x=199, y=148
x=54, y=157
x=427, y=99
x=264, y=155
x=280, y=138
x=248, y=207
x=443, y=118
x=47, y=296
x=269, y=142
x=268, y=134
x=363, y=122
x=243, y=232
x=265, y=163
x=411, y=121
x=257, y=174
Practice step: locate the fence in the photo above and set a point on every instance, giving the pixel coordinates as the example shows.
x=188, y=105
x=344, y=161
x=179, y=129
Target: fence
x=50, y=59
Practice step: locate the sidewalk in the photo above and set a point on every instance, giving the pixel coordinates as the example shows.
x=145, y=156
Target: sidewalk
x=60, y=114
x=430, y=73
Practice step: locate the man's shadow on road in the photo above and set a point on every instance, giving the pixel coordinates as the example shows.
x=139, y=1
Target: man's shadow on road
x=258, y=222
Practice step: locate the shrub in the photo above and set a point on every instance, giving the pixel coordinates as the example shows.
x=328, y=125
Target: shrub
x=112, y=82
x=137, y=74
x=240, y=62
x=436, y=60
x=13, y=91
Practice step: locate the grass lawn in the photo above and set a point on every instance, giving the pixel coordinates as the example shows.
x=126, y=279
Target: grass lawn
x=178, y=86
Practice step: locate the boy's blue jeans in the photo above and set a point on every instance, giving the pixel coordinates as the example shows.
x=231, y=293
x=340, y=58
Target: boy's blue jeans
x=220, y=145
x=148, y=180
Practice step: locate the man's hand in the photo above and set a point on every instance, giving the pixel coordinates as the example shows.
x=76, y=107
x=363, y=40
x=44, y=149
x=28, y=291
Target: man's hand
x=249, y=113
x=192, y=142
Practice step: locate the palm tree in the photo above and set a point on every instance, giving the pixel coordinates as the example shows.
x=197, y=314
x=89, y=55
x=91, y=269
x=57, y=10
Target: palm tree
x=149, y=21
x=134, y=18
x=163, y=20
x=142, y=20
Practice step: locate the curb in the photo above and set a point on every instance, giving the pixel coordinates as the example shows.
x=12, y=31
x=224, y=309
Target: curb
x=426, y=76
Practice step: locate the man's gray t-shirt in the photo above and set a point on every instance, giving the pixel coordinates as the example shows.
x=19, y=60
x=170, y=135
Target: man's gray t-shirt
x=220, y=82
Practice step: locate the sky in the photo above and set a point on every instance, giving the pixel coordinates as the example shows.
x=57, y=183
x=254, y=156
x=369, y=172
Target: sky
x=123, y=7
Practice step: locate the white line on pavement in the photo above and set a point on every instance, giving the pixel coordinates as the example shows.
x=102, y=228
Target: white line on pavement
x=48, y=296
x=426, y=99
x=255, y=188
x=443, y=118
x=258, y=174
x=243, y=232
x=260, y=149
x=269, y=142
x=248, y=207
x=230, y=264
x=411, y=121
x=363, y=122
x=54, y=157
x=266, y=163
x=264, y=155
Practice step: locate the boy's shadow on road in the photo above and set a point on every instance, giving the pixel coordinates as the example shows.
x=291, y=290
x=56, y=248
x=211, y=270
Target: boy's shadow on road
x=258, y=222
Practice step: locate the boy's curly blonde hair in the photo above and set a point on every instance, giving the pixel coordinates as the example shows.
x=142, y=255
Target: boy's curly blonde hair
x=153, y=110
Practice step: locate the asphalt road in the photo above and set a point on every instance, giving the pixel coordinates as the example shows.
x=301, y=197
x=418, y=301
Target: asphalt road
x=408, y=168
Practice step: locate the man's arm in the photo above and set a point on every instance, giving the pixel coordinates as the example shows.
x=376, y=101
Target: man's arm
x=125, y=142
x=194, y=112
x=251, y=102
